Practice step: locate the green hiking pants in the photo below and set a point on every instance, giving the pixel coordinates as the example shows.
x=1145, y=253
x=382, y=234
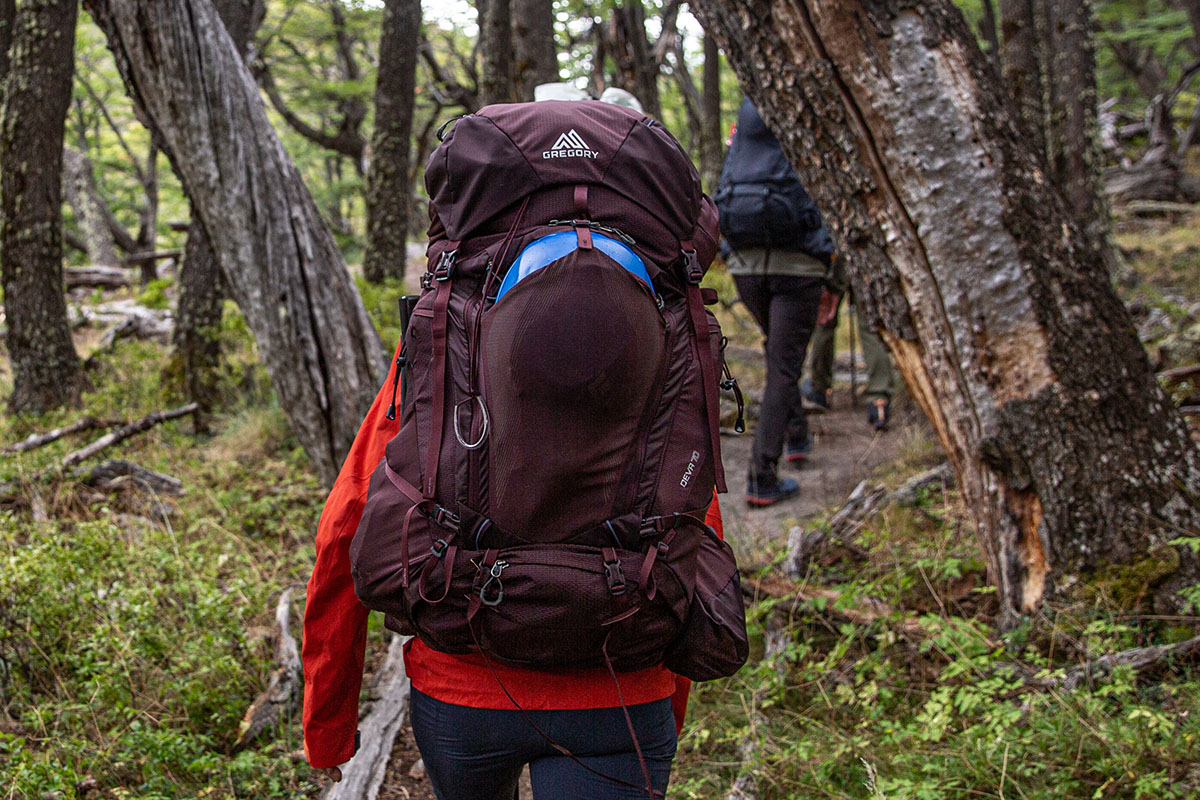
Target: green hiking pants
x=879, y=362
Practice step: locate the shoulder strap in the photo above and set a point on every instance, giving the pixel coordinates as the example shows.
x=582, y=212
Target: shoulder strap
x=708, y=366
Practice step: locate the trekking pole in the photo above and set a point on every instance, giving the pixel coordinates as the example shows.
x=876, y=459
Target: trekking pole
x=853, y=355
x=407, y=303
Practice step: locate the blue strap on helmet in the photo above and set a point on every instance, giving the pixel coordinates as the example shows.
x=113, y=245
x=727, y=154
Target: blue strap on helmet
x=551, y=248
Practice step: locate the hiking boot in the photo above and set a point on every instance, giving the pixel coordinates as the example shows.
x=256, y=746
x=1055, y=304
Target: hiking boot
x=879, y=413
x=797, y=451
x=820, y=402
x=769, y=490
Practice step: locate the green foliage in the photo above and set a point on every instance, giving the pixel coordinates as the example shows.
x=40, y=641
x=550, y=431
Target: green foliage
x=134, y=629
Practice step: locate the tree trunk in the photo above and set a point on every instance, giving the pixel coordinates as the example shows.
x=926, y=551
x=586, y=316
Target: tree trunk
x=636, y=71
x=534, y=50
x=79, y=185
x=495, y=48
x=147, y=238
x=283, y=268
x=1073, y=132
x=196, y=359
x=8, y=16
x=987, y=27
x=991, y=301
x=37, y=94
x=712, y=148
x=1021, y=67
x=197, y=326
x=389, y=189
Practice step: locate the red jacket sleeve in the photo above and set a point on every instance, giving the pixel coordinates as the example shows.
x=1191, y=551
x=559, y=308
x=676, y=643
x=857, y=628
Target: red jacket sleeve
x=335, y=623
x=683, y=686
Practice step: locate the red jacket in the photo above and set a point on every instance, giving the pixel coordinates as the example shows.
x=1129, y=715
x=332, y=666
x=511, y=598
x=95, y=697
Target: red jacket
x=335, y=631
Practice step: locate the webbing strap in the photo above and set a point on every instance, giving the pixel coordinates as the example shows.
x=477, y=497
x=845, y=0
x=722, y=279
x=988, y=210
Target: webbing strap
x=409, y=491
x=441, y=302
x=708, y=366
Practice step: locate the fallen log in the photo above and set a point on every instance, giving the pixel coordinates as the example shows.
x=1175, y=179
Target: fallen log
x=95, y=277
x=283, y=687
x=363, y=775
x=36, y=440
x=115, y=474
x=121, y=434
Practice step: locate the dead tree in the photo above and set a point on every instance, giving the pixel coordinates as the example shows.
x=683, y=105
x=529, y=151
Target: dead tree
x=389, y=188
x=282, y=265
x=37, y=94
x=1001, y=319
x=79, y=186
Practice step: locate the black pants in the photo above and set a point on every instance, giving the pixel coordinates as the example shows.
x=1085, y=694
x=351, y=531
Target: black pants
x=785, y=307
x=478, y=754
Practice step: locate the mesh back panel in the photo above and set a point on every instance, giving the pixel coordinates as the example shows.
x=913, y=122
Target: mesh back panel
x=570, y=357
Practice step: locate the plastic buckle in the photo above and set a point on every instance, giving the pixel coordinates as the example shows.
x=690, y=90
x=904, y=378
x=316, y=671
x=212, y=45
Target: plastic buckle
x=691, y=267
x=439, y=548
x=616, y=577
x=444, y=517
x=444, y=270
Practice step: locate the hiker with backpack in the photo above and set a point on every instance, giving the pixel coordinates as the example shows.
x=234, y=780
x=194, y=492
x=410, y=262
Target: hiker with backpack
x=532, y=495
x=779, y=253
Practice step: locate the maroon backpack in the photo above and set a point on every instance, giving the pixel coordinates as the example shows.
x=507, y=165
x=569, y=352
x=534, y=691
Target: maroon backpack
x=544, y=499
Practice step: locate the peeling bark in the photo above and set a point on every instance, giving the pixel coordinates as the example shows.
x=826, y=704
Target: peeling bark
x=1001, y=318
x=283, y=267
x=37, y=94
x=389, y=186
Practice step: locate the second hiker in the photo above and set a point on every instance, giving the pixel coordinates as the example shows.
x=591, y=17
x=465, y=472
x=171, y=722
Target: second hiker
x=779, y=254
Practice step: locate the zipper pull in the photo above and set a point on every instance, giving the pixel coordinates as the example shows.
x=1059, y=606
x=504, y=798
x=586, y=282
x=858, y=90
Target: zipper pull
x=730, y=384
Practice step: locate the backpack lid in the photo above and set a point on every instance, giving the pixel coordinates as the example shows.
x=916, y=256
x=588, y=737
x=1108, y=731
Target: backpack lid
x=492, y=160
x=549, y=249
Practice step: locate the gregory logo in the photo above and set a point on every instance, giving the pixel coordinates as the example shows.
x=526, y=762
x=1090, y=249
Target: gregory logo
x=570, y=145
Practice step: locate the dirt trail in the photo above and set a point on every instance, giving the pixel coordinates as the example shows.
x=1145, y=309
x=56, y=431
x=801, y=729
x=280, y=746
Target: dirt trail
x=845, y=451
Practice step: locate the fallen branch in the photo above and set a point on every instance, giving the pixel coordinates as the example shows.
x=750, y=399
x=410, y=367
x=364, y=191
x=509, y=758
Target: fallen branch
x=95, y=276
x=36, y=440
x=121, y=434
x=909, y=493
x=283, y=687
x=866, y=611
x=1179, y=374
x=115, y=474
x=1141, y=660
x=362, y=777
x=139, y=258
x=804, y=546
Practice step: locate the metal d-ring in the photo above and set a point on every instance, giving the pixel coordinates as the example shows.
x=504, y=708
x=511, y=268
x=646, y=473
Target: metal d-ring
x=483, y=430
